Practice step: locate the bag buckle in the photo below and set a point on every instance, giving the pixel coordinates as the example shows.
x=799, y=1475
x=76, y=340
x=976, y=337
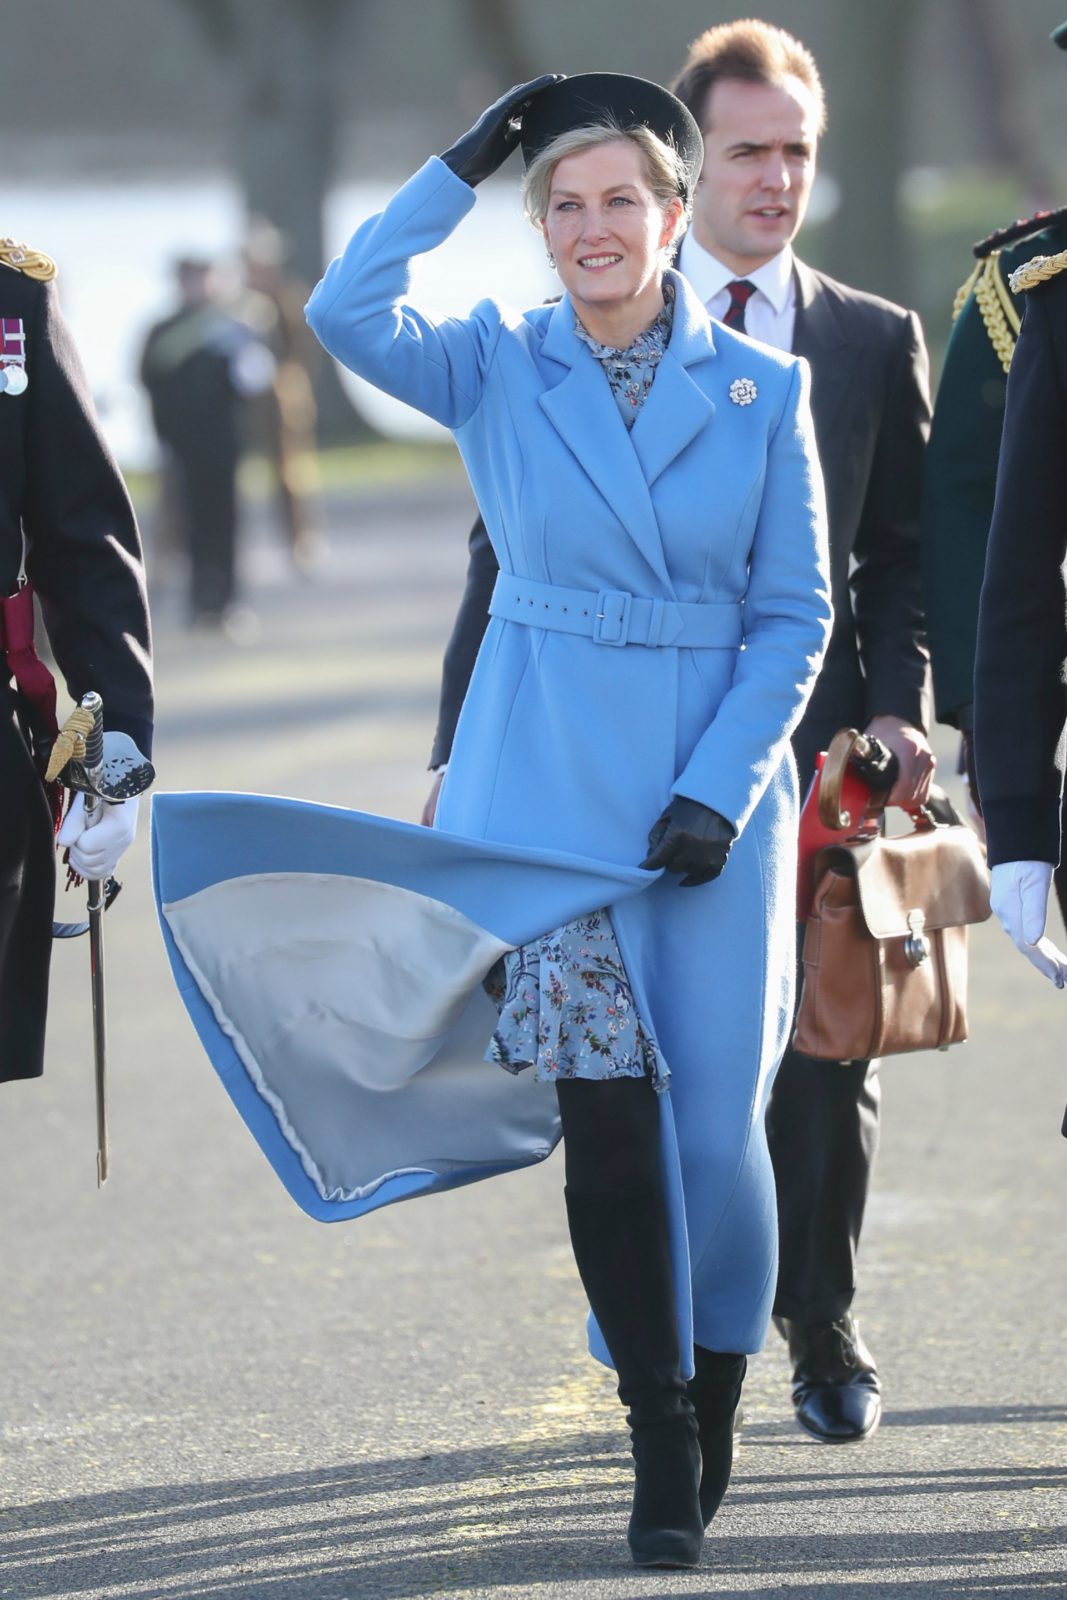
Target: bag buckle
x=916, y=945
x=612, y=625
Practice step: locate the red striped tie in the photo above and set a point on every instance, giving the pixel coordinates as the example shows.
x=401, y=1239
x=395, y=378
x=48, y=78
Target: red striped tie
x=741, y=292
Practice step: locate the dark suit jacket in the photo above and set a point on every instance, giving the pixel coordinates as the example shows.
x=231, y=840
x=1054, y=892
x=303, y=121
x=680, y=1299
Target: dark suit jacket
x=1020, y=700
x=870, y=400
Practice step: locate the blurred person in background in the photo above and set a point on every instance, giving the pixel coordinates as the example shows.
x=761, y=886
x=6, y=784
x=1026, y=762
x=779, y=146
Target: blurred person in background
x=612, y=695
x=200, y=366
x=282, y=417
x=755, y=91
x=67, y=532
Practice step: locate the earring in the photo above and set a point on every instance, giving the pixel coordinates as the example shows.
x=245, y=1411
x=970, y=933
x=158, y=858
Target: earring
x=551, y=259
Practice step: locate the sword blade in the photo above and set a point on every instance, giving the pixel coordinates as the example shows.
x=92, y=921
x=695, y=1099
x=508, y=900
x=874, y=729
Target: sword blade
x=96, y=960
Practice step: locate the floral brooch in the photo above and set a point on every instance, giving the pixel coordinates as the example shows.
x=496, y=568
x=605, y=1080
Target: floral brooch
x=743, y=391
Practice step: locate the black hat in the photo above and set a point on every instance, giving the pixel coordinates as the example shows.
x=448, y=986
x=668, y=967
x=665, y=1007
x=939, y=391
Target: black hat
x=1059, y=35
x=631, y=102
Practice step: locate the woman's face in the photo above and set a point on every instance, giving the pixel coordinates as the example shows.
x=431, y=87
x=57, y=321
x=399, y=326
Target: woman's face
x=606, y=228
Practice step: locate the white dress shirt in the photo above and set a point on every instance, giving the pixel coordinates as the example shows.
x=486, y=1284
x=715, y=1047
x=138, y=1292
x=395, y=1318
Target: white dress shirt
x=770, y=313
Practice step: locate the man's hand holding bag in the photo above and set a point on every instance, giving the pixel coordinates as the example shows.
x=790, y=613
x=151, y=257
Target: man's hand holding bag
x=885, y=942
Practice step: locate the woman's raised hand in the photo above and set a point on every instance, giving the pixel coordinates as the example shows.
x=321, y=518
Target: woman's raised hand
x=496, y=133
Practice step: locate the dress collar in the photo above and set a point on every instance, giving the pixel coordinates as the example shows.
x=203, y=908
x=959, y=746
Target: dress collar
x=650, y=342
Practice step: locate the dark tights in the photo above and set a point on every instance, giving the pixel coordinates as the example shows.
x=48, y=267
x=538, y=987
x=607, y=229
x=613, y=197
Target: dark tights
x=610, y=1134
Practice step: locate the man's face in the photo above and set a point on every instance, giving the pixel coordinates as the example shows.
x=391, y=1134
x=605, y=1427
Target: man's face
x=759, y=164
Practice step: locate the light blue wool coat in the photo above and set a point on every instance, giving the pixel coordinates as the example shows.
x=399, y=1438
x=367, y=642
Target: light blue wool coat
x=575, y=744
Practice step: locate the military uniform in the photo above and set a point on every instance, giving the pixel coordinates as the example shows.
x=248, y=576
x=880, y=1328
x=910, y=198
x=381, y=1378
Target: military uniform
x=1020, y=697
x=67, y=525
x=961, y=460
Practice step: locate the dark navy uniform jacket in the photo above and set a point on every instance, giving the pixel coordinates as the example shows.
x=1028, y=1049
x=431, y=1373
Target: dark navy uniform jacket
x=1020, y=696
x=63, y=502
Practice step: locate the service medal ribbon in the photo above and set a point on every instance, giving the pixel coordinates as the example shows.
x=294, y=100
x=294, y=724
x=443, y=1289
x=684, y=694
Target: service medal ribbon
x=12, y=339
x=13, y=378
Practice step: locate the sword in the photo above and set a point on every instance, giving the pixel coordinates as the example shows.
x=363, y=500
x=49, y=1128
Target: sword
x=93, y=762
x=78, y=760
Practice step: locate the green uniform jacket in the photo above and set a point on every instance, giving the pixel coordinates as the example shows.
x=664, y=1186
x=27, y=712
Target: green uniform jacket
x=961, y=469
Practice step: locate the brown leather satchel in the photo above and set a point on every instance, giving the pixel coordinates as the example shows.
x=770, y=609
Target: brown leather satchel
x=885, y=943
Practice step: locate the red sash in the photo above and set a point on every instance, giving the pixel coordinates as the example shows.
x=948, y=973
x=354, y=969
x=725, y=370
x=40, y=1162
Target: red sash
x=32, y=678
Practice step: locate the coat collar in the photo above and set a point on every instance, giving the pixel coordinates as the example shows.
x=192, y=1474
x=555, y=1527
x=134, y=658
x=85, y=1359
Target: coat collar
x=583, y=412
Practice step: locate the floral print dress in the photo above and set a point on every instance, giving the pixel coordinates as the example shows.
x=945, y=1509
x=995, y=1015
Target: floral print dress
x=565, y=1002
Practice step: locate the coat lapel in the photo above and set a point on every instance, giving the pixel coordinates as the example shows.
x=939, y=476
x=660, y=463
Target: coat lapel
x=677, y=409
x=583, y=412
x=819, y=336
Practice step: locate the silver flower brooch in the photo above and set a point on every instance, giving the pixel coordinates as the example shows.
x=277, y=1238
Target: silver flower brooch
x=743, y=391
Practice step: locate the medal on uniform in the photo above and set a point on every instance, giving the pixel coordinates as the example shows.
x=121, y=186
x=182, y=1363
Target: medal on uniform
x=13, y=377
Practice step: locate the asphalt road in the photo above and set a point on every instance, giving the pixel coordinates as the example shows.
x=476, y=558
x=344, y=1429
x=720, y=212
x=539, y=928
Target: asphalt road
x=203, y=1393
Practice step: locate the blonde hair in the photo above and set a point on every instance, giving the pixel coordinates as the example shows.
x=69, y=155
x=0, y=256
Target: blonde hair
x=665, y=171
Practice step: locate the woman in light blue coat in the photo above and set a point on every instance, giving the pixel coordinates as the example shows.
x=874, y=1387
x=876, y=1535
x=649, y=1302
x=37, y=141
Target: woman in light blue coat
x=650, y=484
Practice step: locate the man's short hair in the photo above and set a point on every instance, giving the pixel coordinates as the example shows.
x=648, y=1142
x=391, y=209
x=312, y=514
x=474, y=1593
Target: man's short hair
x=750, y=51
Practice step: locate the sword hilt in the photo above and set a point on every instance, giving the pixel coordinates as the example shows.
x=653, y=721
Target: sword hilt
x=93, y=760
x=94, y=741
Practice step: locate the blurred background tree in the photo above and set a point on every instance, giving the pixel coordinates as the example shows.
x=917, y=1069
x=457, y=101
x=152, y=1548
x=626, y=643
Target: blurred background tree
x=946, y=116
x=281, y=58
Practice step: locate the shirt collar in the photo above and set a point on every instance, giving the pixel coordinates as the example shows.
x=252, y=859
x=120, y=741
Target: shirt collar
x=709, y=276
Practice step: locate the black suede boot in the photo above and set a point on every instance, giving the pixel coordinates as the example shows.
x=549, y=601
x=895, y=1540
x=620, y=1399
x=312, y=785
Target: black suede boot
x=621, y=1248
x=715, y=1391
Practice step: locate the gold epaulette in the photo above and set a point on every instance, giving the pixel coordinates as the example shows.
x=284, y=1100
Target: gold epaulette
x=1039, y=269
x=999, y=315
x=34, y=263
x=1002, y=321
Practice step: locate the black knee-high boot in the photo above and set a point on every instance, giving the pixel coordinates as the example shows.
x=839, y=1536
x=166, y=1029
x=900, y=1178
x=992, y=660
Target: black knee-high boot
x=620, y=1241
x=715, y=1392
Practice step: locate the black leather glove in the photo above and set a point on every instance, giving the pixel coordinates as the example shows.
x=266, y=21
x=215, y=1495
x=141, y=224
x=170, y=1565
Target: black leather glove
x=689, y=838
x=495, y=134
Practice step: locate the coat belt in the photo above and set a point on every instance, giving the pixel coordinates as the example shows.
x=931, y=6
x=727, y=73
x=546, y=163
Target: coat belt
x=614, y=617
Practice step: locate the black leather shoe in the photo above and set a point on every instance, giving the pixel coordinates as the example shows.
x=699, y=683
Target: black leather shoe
x=836, y=1391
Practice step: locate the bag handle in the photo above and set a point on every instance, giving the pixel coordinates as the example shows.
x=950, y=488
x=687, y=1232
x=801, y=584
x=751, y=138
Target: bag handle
x=863, y=757
x=877, y=769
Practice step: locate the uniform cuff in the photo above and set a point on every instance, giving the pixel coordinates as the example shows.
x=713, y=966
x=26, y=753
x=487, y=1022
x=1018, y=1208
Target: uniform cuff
x=1022, y=828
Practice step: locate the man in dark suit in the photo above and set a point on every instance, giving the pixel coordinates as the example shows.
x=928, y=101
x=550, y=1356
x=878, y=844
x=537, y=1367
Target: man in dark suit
x=67, y=530
x=1020, y=703
x=756, y=94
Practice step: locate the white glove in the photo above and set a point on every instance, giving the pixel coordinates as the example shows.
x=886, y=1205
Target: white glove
x=97, y=843
x=1019, y=896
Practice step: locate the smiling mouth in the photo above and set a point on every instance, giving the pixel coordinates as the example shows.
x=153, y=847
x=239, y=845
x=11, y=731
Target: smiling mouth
x=594, y=262
x=770, y=213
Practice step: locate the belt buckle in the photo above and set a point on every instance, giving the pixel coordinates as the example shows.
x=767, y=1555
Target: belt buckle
x=612, y=624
